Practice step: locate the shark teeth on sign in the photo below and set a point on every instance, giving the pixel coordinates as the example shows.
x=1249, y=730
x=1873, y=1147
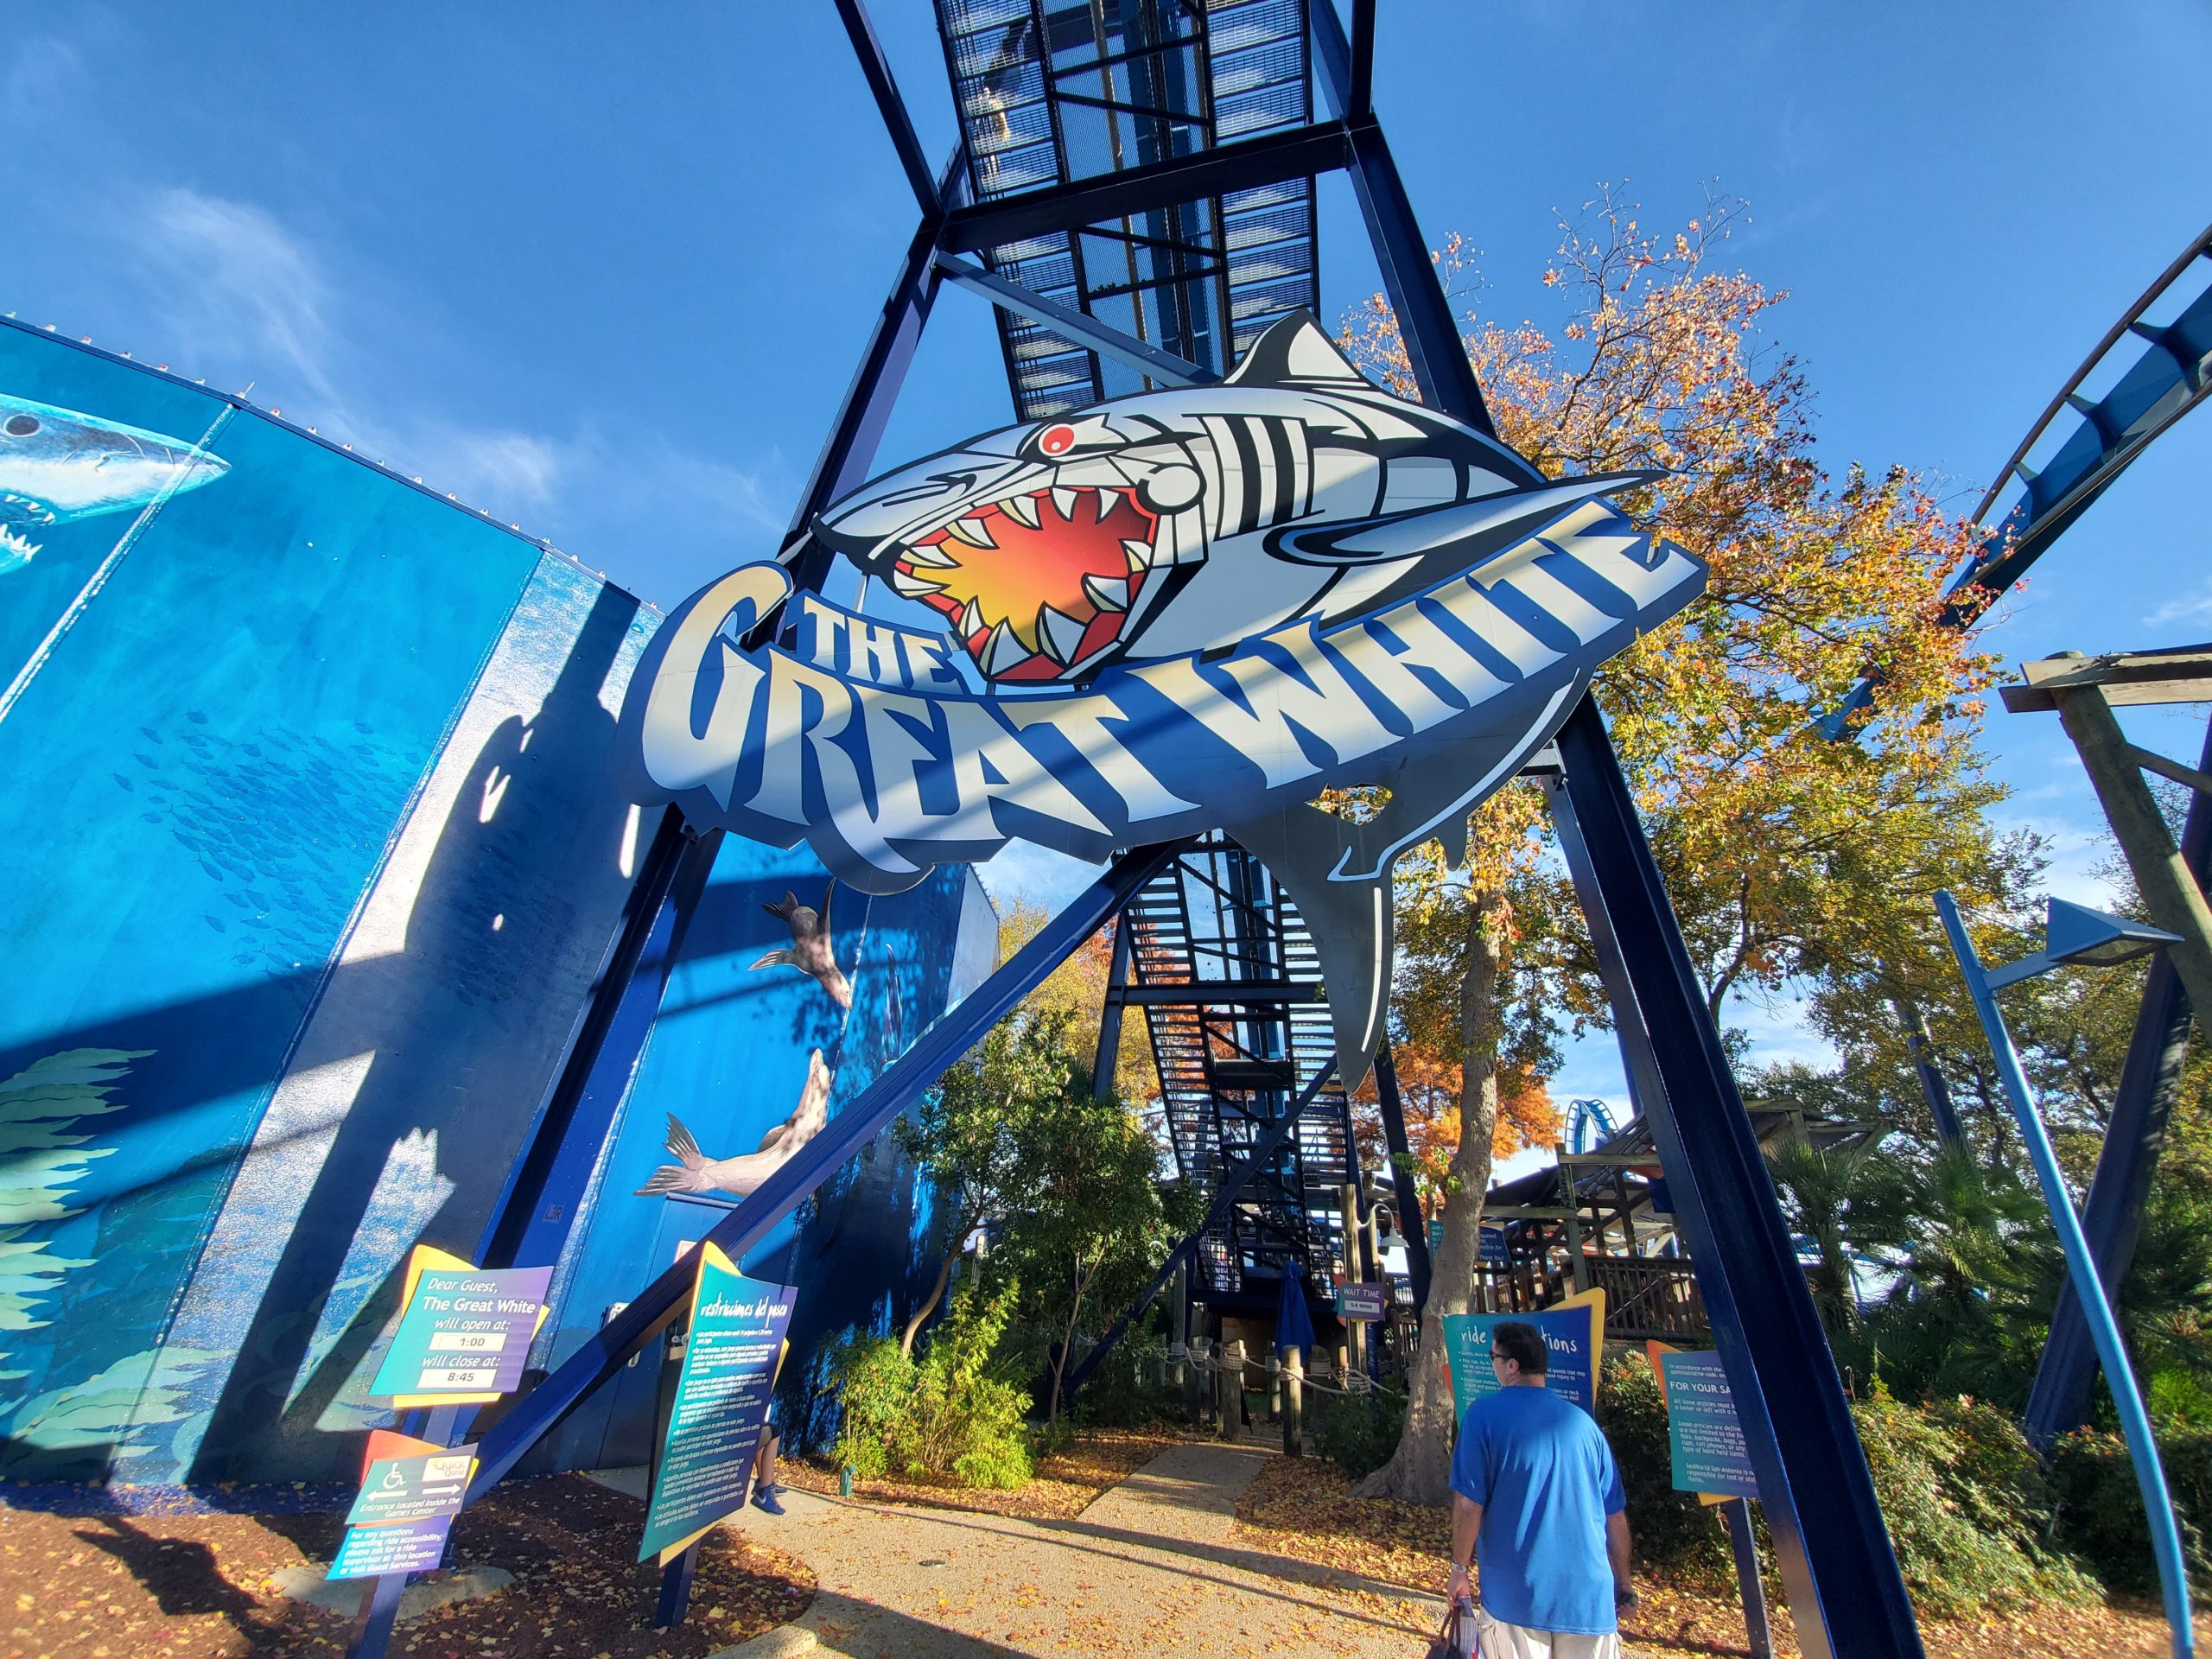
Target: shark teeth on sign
x=1021, y=509
x=1063, y=503
x=972, y=531
x=931, y=554
x=972, y=620
x=910, y=585
x=1139, y=554
x=1060, y=635
x=1004, y=650
x=1108, y=592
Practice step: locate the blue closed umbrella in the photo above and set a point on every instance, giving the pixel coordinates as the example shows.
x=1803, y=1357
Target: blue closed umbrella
x=1294, y=1325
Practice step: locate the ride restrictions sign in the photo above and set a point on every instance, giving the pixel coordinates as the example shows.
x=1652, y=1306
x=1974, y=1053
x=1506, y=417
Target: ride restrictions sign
x=1573, y=1333
x=408, y=1497
x=730, y=1356
x=466, y=1333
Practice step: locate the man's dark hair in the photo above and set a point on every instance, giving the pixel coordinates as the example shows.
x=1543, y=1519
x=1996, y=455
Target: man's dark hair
x=1517, y=1340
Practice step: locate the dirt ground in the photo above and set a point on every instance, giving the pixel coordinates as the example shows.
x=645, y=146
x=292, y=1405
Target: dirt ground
x=1302, y=1508
x=93, y=1585
x=1094, y=1460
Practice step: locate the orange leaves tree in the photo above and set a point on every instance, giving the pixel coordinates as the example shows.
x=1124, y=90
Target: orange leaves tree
x=1792, y=860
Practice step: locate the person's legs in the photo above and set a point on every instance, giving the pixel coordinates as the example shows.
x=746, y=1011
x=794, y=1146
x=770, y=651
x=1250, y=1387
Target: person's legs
x=765, y=1492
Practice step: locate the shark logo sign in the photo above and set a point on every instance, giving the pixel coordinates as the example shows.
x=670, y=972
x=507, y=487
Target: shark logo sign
x=1176, y=612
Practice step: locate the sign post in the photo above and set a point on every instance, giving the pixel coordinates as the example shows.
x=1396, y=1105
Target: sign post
x=1710, y=1459
x=463, y=1339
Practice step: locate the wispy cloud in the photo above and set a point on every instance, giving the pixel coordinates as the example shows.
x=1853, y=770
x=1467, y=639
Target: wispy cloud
x=2196, y=608
x=236, y=284
x=243, y=297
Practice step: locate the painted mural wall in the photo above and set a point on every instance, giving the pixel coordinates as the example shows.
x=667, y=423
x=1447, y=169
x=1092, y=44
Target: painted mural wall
x=317, y=847
x=750, y=1047
x=311, y=866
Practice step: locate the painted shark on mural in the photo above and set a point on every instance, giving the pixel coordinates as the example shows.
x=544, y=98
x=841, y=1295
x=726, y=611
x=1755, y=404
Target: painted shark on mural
x=58, y=466
x=694, y=1171
x=1170, y=613
x=813, y=950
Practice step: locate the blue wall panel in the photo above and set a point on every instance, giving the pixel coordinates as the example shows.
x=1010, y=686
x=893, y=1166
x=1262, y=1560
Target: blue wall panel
x=230, y=732
x=729, y=1056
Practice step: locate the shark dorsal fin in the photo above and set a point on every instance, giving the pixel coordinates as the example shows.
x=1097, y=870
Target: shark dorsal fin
x=1296, y=351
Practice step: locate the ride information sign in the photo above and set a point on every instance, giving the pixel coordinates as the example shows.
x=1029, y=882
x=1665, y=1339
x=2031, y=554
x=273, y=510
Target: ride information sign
x=1574, y=1334
x=1702, y=1430
x=730, y=1358
x=408, y=1497
x=466, y=1332
x=1363, y=1302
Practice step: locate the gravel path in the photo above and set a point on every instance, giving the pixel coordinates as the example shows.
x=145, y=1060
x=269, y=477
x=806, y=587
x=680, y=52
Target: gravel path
x=1147, y=1569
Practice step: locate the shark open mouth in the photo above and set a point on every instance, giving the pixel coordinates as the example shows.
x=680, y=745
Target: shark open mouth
x=1039, y=584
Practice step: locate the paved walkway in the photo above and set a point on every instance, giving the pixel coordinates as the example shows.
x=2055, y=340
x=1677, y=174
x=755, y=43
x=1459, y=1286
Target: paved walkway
x=1148, y=1568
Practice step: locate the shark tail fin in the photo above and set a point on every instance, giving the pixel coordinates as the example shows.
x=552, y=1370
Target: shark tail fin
x=783, y=958
x=784, y=910
x=1350, y=920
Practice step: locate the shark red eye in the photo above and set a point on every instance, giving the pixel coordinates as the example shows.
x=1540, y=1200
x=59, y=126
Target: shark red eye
x=1056, y=441
x=22, y=426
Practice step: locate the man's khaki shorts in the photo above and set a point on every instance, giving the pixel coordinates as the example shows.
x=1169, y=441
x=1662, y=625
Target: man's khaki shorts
x=1502, y=1640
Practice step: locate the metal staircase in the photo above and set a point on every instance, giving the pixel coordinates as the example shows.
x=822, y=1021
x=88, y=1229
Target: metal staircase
x=1225, y=971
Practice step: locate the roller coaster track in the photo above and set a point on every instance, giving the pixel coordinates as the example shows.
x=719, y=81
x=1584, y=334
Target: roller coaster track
x=2170, y=375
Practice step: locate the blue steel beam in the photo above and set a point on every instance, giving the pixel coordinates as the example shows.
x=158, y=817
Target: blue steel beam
x=608, y=1349
x=2112, y=1214
x=1077, y=328
x=928, y=195
x=1276, y=158
x=1418, y=1268
x=1425, y=324
x=1844, y=1589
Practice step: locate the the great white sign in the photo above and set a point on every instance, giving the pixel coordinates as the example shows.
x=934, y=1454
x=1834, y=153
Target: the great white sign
x=1171, y=613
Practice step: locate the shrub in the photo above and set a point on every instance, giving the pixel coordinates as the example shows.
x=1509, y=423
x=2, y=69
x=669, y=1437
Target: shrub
x=1966, y=1510
x=1124, y=1392
x=941, y=1414
x=1356, y=1431
x=874, y=1385
x=2101, y=1508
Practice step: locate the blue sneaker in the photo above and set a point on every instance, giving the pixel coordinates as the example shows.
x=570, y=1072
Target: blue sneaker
x=765, y=1500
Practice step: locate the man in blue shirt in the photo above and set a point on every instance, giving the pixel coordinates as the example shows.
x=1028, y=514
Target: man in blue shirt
x=1537, y=1497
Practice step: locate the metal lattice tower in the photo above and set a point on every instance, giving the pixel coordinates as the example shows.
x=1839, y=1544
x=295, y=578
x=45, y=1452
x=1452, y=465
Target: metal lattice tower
x=1053, y=94
x=1227, y=974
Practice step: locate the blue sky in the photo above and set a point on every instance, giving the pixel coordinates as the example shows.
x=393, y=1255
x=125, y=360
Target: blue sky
x=605, y=274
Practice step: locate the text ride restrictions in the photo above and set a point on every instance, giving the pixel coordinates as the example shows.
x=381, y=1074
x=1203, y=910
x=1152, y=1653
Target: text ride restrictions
x=730, y=1358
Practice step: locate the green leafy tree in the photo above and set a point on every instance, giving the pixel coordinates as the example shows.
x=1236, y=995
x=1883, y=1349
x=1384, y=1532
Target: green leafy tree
x=1092, y=1225
x=971, y=1133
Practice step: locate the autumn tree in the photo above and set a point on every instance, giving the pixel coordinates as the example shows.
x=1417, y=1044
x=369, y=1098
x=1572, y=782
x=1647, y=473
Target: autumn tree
x=1788, y=857
x=1077, y=988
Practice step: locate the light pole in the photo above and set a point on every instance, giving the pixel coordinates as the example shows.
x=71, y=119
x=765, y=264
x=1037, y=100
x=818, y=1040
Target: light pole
x=2073, y=933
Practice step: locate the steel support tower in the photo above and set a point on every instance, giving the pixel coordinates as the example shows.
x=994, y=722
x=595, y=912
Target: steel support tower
x=1133, y=189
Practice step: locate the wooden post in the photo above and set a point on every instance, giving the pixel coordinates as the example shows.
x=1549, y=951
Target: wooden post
x=1232, y=1389
x=1573, y=1226
x=1293, y=1404
x=2169, y=889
